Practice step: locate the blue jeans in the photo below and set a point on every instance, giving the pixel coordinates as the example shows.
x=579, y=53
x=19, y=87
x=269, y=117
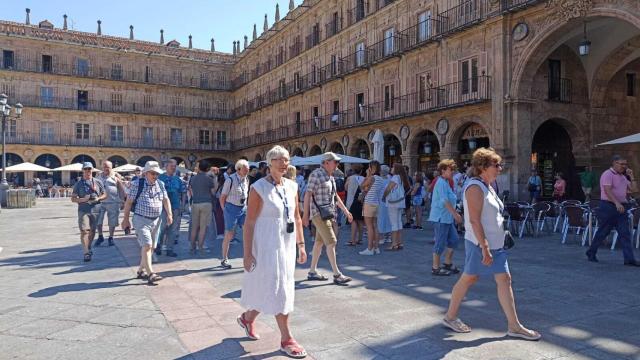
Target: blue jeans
x=168, y=234
x=608, y=219
x=446, y=237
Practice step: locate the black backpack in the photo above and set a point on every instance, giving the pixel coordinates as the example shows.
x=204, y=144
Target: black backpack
x=135, y=200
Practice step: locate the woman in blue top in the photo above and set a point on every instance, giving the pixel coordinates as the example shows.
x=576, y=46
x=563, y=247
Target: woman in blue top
x=534, y=186
x=417, y=198
x=443, y=215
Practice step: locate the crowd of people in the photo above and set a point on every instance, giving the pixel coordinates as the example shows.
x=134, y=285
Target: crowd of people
x=276, y=201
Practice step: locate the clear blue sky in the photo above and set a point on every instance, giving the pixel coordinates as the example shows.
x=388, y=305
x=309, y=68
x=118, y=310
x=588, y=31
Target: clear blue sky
x=224, y=20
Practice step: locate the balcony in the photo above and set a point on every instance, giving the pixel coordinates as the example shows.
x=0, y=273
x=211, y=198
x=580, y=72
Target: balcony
x=472, y=91
x=420, y=34
x=384, y=49
x=358, y=13
x=333, y=27
x=459, y=17
x=516, y=5
x=132, y=143
x=559, y=90
x=69, y=103
x=107, y=73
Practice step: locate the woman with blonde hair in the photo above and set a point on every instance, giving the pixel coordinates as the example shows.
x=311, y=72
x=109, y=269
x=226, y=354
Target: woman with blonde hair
x=484, y=245
x=270, y=258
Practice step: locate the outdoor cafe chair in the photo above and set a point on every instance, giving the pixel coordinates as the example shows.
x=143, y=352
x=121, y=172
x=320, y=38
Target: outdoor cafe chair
x=634, y=228
x=575, y=218
x=538, y=216
x=515, y=213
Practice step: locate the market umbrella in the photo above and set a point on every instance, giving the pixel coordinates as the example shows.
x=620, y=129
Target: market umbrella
x=72, y=167
x=126, y=168
x=623, y=140
x=26, y=166
x=317, y=160
x=378, y=146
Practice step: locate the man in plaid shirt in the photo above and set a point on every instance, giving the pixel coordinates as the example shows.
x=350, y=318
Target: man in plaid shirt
x=321, y=191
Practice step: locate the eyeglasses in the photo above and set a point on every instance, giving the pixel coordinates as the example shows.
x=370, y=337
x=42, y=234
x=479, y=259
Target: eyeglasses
x=499, y=165
x=622, y=163
x=284, y=160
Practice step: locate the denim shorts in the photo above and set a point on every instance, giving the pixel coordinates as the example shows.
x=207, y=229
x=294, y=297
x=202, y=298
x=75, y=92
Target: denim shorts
x=446, y=237
x=233, y=216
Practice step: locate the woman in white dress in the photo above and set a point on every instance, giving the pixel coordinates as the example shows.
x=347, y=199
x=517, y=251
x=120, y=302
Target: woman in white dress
x=270, y=259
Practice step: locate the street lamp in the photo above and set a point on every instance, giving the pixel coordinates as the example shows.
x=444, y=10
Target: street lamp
x=585, y=45
x=427, y=148
x=363, y=154
x=6, y=113
x=472, y=143
x=392, y=151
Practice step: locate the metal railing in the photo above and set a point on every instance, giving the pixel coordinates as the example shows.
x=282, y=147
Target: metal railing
x=461, y=93
x=69, y=103
x=559, y=90
x=333, y=27
x=358, y=13
x=384, y=49
x=515, y=5
x=461, y=16
x=420, y=34
x=59, y=67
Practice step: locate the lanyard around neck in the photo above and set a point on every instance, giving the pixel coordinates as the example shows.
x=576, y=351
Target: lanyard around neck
x=281, y=196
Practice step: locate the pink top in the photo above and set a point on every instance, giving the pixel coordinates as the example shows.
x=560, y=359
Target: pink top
x=619, y=185
x=559, y=187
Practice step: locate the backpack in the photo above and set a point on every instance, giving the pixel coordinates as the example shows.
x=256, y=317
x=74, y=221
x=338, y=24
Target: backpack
x=140, y=189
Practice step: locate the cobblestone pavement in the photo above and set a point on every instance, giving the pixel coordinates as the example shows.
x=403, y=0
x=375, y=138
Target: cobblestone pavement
x=54, y=306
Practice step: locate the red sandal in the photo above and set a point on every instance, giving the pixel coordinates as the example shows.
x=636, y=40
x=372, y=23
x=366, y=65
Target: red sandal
x=248, y=328
x=293, y=349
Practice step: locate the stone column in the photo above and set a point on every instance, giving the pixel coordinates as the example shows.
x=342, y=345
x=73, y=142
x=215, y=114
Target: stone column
x=410, y=160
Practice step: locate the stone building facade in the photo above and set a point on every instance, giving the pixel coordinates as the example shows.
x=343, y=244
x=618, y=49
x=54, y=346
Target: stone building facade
x=439, y=78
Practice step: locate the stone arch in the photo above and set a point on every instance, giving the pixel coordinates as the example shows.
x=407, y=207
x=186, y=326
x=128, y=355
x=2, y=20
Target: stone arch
x=392, y=149
x=425, y=145
x=622, y=56
x=297, y=152
x=180, y=161
x=550, y=36
x=13, y=178
x=117, y=160
x=315, y=150
x=143, y=160
x=258, y=157
x=217, y=162
x=337, y=148
x=360, y=148
x=50, y=161
x=460, y=142
x=81, y=158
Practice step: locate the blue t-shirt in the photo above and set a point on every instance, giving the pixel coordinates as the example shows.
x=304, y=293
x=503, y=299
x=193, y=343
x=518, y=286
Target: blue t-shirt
x=442, y=193
x=175, y=188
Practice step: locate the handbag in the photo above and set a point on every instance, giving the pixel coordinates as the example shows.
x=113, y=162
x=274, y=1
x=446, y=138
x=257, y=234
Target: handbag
x=509, y=242
x=396, y=195
x=325, y=210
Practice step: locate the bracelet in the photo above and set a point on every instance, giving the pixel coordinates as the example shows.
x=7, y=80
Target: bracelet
x=300, y=243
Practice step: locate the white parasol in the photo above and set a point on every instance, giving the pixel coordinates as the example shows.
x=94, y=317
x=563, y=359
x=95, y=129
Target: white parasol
x=26, y=166
x=72, y=167
x=126, y=168
x=623, y=140
x=317, y=160
x=378, y=146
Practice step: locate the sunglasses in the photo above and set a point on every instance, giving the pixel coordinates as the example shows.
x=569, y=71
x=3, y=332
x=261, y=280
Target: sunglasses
x=499, y=165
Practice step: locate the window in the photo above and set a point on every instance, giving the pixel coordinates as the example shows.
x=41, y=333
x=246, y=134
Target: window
x=424, y=88
x=47, y=63
x=360, y=9
x=469, y=73
x=83, y=100
x=360, y=106
x=177, y=78
x=335, y=114
x=205, y=107
x=204, y=137
x=388, y=42
x=147, y=74
x=424, y=26
x=12, y=125
x=555, y=74
x=298, y=123
x=147, y=101
x=116, y=100
x=221, y=138
x=282, y=88
x=176, y=105
x=82, y=67
x=334, y=65
x=46, y=96
x=116, y=71
x=176, y=137
x=296, y=82
x=7, y=59
x=117, y=133
x=204, y=81
x=147, y=136
x=82, y=131
x=315, y=113
x=360, y=54
x=389, y=96
x=631, y=84
x=314, y=74
x=46, y=132
x=8, y=89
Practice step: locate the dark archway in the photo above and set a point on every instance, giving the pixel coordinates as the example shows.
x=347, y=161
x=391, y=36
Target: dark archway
x=83, y=158
x=361, y=149
x=117, y=160
x=17, y=179
x=216, y=162
x=552, y=153
x=180, y=161
x=392, y=150
x=143, y=160
x=427, y=147
x=297, y=152
x=49, y=161
x=315, y=150
x=257, y=158
x=337, y=148
x=473, y=137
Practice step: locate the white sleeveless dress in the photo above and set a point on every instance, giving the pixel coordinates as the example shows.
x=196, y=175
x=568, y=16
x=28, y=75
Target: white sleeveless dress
x=269, y=288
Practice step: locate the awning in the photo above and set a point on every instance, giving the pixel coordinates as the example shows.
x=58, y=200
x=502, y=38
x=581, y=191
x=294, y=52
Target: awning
x=26, y=166
x=623, y=140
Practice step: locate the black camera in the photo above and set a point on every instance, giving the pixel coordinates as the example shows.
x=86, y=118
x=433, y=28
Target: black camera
x=290, y=227
x=242, y=201
x=93, y=197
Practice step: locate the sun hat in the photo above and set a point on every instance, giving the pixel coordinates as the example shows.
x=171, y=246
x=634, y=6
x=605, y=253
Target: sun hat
x=152, y=166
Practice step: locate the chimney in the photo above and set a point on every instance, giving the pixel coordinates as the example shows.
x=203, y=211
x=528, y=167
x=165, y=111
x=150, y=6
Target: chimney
x=234, y=48
x=130, y=32
x=161, y=37
x=213, y=45
x=266, y=24
x=64, y=23
x=190, y=42
x=246, y=41
x=291, y=5
x=99, y=27
x=27, y=20
x=255, y=32
x=277, y=12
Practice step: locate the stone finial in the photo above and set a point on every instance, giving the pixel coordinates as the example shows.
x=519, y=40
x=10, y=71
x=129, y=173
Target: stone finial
x=266, y=24
x=130, y=32
x=161, y=37
x=292, y=5
x=64, y=23
x=277, y=12
x=213, y=45
x=234, y=48
x=99, y=27
x=246, y=41
x=27, y=21
x=190, y=42
x=255, y=32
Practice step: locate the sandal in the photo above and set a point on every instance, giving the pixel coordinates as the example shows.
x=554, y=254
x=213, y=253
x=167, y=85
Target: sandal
x=87, y=257
x=440, y=272
x=316, y=277
x=351, y=243
x=392, y=248
x=456, y=325
x=141, y=275
x=451, y=268
x=400, y=246
x=525, y=334
x=293, y=349
x=248, y=327
x=153, y=278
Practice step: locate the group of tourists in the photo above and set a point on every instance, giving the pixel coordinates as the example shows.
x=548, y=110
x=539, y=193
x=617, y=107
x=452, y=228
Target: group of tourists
x=276, y=202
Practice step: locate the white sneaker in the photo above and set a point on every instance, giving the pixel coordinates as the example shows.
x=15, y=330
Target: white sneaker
x=376, y=251
x=381, y=242
x=367, y=252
